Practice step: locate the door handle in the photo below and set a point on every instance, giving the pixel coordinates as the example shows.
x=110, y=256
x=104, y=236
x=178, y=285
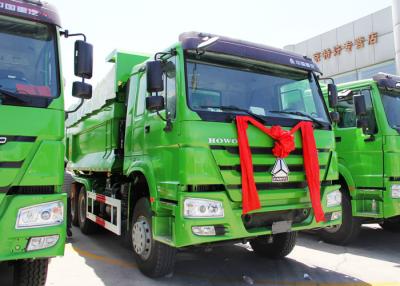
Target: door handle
x=338, y=139
x=147, y=129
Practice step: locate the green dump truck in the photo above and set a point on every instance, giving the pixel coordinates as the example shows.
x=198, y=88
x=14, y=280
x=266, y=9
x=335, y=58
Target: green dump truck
x=32, y=205
x=368, y=146
x=156, y=158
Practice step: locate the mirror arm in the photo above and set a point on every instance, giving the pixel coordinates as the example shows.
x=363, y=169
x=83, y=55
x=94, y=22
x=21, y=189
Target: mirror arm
x=76, y=108
x=66, y=34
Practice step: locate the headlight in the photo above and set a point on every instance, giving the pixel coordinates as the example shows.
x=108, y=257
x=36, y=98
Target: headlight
x=42, y=215
x=334, y=199
x=202, y=208
x=42, y=242
x=396, y=191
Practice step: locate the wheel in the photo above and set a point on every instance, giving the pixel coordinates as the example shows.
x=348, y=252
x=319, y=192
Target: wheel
x=74, y=210
x=31, y=272
x=346, y=232
x=154, y=258
x=74, y=206
x=86, y=225
x=67, y=188
x=280, y=246
x=391, y=225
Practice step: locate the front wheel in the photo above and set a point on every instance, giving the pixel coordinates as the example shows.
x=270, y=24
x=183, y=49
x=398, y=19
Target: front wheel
x=31, y=272
x=346, y=232
x=154, y=258
x=277, y=247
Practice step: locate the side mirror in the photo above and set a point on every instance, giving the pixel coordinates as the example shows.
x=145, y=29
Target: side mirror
x=335, y=116
x=332, y=95
x=360, y=105
x=154, y=74
x=81, y=90
x=83, y=59
x=154, y=103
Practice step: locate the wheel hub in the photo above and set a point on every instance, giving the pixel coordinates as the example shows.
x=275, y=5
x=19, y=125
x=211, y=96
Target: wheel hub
x=141, y=237
x=333, y=229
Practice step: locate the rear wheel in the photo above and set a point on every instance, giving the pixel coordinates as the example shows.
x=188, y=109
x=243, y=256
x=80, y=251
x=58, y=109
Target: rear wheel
x=86, y=225
x=278, y=247
x=30, y=272
x=346, y=232
x=154, y=258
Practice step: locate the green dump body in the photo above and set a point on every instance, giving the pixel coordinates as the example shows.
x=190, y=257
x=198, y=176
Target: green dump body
x=115, y=141
x=369, y=159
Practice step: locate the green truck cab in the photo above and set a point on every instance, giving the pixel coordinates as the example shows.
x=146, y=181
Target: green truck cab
x=155, y=151
x=32, y=204
x=368, y=146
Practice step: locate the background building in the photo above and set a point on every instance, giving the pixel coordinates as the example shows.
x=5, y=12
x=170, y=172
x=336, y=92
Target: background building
x=359, y=49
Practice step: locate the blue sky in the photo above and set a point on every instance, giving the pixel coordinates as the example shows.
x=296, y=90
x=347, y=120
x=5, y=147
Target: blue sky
x=149, y=26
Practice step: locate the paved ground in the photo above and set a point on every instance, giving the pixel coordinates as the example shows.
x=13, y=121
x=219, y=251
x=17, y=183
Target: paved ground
x=101, y=260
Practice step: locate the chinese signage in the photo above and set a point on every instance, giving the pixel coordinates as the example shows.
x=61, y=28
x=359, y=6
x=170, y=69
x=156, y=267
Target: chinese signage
x=348, y=46
x=20, y=9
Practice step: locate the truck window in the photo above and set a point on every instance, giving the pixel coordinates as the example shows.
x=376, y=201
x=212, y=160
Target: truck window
x=28, y=62
x=264, y=92
x=370, y=110
x=132, y=92
x=142, y=93
x=170, y=86
x=347, y=113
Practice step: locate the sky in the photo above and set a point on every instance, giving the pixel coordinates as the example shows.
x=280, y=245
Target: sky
x=149, y=26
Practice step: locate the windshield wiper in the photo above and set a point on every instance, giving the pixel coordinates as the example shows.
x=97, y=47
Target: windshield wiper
x=12, y=95
x=235, y=108
x=299, y=113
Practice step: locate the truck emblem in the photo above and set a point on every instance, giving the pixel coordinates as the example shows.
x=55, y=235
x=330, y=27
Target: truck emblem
x=3, y=140
x=280, y=171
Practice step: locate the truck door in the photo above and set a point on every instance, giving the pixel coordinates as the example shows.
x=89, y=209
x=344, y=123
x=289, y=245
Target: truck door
x=160, y=142
x=135, y=116
x=360, y=153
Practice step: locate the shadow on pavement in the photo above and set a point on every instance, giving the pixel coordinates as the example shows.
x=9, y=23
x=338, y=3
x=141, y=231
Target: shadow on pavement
x=373, y=242
x=224, y=265
x=6, y=274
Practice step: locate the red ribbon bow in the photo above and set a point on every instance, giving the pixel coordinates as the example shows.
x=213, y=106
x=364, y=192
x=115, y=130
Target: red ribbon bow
x=283, y=146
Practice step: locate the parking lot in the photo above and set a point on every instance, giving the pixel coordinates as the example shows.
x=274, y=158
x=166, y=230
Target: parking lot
x=102, y=260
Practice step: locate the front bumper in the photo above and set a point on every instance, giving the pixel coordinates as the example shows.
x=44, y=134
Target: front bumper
x=181, y=234
x=13, y=242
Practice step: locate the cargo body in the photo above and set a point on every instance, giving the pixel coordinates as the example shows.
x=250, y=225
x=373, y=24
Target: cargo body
x=367, y=147
x=32, y=223
x=127, y=157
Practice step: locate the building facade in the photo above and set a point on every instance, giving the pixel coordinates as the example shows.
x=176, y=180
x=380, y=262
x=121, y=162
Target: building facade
x=359, y=49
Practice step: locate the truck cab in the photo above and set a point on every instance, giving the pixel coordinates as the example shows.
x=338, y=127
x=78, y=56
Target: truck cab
x=367, y=143
x=156, y=159
x=32, y=205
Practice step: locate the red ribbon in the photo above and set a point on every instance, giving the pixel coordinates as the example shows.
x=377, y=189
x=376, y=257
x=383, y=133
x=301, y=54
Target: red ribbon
x=284, y=144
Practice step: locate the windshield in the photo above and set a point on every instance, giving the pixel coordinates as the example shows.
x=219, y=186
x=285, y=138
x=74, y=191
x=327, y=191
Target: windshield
x=28, y=64
x=268, y=92
x=391, y=103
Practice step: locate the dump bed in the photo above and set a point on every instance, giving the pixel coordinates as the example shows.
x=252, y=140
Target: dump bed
x=95, y=132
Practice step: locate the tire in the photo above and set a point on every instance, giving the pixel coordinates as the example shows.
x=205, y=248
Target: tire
x=392, y=225
x=281, y=245
x=31, y=272
x=86, y=225
x=348, y=231
x=74, y=209
x=67, y=188
x=154, y=258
